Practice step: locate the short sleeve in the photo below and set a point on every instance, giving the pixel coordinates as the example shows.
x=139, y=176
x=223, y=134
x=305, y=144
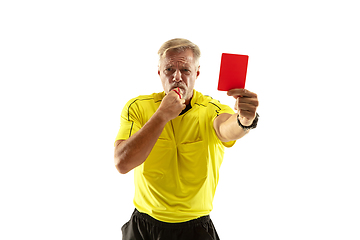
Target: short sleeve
x=130, y=120
x=219, y=109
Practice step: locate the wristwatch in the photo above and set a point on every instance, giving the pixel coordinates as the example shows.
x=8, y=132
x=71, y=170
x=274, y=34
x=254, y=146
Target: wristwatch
x=252, y=126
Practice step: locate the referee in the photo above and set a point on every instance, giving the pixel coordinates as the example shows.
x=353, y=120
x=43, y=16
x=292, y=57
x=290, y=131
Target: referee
x=175, y=141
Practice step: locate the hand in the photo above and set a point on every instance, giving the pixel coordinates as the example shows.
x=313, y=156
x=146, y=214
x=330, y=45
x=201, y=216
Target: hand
x=171, y=105
x=246, y=105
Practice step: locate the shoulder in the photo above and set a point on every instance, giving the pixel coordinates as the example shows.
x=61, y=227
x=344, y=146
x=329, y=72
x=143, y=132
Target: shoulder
x=207, y=101
x=146, y=99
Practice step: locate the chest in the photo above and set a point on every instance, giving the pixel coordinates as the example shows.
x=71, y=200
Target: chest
x=188, y=128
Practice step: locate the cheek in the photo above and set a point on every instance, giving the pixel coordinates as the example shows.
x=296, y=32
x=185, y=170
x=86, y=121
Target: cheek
x=165, y=83
x=191, y=81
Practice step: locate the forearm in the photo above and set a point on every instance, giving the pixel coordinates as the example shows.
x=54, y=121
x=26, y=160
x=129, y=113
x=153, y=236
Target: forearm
x=230, y=130
x=134, y=151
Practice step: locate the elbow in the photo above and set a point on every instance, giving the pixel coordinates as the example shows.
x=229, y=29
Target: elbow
x=121, y=167
x=120, y=163
x=122, y=170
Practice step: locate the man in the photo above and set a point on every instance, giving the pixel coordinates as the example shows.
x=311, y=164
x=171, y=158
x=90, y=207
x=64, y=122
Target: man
x=174, y=141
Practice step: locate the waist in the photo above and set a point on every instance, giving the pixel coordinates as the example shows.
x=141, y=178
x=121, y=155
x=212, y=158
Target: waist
x=194, y=222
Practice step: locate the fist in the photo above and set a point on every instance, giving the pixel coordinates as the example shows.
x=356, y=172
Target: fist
x=172, y=105
x=246, y=105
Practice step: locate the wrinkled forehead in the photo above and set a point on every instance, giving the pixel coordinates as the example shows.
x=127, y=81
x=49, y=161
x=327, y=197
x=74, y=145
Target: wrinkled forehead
x=179, y=57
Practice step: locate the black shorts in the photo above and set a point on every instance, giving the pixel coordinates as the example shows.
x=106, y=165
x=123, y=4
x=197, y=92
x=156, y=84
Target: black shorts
x=143, y=227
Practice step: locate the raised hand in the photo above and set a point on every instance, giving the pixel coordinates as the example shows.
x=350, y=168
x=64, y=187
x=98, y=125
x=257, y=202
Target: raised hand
x=246, y=105
x=172, y=105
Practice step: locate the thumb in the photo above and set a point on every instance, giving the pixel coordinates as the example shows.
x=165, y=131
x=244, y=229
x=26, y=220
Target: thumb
x=237, y=104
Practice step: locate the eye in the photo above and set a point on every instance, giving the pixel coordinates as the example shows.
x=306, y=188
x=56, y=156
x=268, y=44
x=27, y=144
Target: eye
x=186, y=71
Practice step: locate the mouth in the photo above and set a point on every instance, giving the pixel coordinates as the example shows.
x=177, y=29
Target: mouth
x=181, y=89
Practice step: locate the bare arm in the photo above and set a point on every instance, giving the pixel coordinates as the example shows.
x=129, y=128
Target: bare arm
x=227, y=129
x=226, y=126
x=132, y=152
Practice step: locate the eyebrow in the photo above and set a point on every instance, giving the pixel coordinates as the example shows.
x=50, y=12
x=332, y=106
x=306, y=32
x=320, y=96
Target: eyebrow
x=186, y=66
x=181, y=65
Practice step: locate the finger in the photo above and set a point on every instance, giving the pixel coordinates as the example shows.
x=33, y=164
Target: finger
x=247, y=114
x=247, y=107
x=241, y=92
x=252, y=101
x=174, y=94
x=237, y=104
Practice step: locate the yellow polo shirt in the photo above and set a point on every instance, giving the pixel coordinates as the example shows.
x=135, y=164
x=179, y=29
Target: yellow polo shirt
x=177, y=181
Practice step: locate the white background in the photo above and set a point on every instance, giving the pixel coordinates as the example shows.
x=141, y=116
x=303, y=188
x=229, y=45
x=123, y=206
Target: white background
x=68, y=67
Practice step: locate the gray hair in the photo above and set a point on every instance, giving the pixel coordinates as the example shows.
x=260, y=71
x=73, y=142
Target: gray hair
x=180, y=44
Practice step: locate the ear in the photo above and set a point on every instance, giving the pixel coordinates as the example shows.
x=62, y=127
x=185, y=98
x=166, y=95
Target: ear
x=159, y=68
x=198, y=72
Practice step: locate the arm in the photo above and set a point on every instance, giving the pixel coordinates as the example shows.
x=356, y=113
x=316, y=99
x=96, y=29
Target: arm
x=226, y=126
x=227, y=129
x=132, y=152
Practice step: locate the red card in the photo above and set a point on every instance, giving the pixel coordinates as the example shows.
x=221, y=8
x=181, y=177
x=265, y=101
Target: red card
x=233, y=69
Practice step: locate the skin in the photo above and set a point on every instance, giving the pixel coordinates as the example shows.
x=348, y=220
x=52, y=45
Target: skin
x=178, y=69
x=178, y=72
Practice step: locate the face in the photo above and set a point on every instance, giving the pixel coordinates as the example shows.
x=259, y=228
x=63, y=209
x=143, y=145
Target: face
x=178, y=69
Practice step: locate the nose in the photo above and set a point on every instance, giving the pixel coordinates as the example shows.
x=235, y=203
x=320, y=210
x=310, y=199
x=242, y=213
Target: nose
x=177, y=76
